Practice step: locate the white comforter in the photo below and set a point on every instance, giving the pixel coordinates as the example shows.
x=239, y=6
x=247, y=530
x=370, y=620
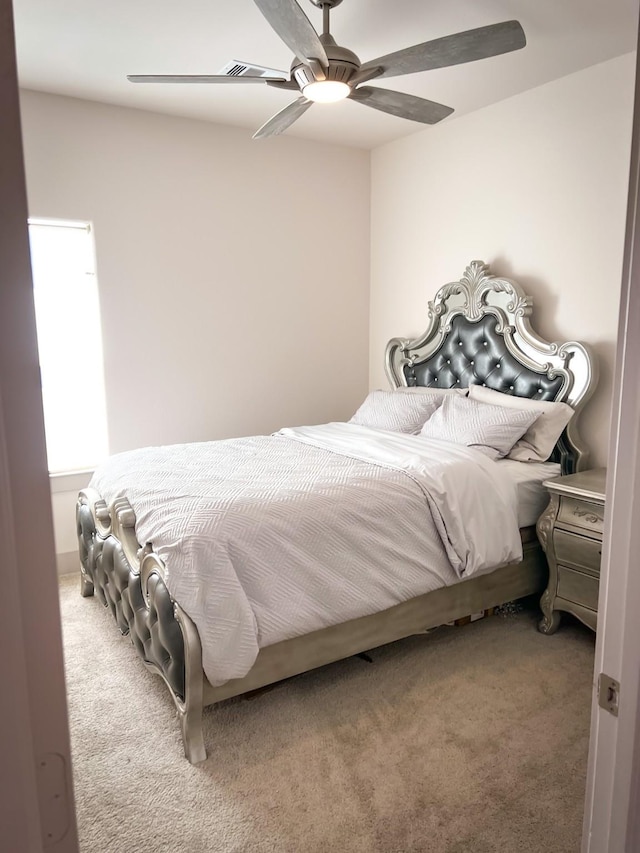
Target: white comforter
x=272, y=537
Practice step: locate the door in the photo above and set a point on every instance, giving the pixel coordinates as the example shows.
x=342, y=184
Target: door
x=36, y=806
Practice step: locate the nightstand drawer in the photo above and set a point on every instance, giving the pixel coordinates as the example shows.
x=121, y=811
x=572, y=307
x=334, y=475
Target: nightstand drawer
x=578, y=587
x=578, y=551
x=579, y=513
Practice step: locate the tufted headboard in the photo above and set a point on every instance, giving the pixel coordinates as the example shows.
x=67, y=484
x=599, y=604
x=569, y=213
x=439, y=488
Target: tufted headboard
x=479, y=333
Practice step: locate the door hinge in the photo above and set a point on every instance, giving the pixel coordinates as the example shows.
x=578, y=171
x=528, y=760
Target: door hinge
x=53, y=797
x=608, y=693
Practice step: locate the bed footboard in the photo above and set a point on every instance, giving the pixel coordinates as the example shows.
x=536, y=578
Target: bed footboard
x=129, y=580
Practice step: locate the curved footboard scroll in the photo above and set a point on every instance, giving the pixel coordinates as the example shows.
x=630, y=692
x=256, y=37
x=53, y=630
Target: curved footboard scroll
x=130, y=581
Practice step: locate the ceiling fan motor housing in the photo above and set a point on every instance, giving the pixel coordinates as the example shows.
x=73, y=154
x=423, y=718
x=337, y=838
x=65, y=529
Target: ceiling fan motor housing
x=343, y=64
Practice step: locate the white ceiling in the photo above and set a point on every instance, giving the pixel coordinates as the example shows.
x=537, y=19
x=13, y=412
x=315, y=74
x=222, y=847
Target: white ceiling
x=85, y=48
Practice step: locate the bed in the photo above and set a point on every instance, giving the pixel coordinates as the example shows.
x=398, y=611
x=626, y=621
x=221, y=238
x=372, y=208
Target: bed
x=478, y=334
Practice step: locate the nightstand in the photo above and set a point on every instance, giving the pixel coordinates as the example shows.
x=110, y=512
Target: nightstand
x=570, y=532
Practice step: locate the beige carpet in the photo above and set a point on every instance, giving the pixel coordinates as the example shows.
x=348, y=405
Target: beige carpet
x=467, y=740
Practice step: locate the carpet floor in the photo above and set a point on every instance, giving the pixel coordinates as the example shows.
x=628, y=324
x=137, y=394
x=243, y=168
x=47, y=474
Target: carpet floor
x=466, y=740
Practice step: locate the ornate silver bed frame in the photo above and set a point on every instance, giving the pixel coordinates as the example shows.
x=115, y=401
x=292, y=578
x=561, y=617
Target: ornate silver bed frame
x=566, y=372
x=478, y=331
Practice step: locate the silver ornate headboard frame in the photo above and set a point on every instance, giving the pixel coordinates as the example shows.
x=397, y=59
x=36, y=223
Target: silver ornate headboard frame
x=479, y=332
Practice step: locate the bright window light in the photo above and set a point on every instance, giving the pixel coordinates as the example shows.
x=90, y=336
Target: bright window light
x=69, y=343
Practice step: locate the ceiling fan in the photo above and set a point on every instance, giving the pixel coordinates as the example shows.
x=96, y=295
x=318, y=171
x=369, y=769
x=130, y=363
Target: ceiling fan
x=323, y=71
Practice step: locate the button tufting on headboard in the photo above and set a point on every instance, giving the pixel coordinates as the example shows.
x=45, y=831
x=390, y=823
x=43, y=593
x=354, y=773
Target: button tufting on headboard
x=475, y=353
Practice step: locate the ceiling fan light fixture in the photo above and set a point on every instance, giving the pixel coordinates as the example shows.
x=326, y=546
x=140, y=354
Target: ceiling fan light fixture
x=326, y=91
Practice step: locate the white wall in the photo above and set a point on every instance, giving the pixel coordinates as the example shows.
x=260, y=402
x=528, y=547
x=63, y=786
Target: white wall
x=536, y=186
x=233, y=274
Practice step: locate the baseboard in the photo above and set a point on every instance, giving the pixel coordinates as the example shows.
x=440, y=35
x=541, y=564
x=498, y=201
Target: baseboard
x=68, y=562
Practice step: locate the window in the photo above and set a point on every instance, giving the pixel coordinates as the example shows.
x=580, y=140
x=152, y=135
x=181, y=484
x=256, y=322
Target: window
x=69, y=343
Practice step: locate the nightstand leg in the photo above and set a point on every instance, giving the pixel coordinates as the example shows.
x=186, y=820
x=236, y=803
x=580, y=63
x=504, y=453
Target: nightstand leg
x=550, y=621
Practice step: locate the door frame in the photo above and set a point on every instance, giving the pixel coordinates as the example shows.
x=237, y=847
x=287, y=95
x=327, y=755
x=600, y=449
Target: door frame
x=612, y=819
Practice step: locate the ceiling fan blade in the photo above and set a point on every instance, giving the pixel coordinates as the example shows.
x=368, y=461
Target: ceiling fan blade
x=401, y=105
x=452, y=50
x=284, y=84
x=294, y=28
x=284, y=119
x=201, y=78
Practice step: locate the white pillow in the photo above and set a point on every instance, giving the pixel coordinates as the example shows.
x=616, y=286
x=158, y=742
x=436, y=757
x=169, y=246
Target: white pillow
x=537, y=444
x=396, y=412
x=440, y=392
x=493, y=430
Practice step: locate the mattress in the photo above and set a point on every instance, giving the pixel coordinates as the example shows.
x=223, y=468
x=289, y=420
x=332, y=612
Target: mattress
x=528, y=478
